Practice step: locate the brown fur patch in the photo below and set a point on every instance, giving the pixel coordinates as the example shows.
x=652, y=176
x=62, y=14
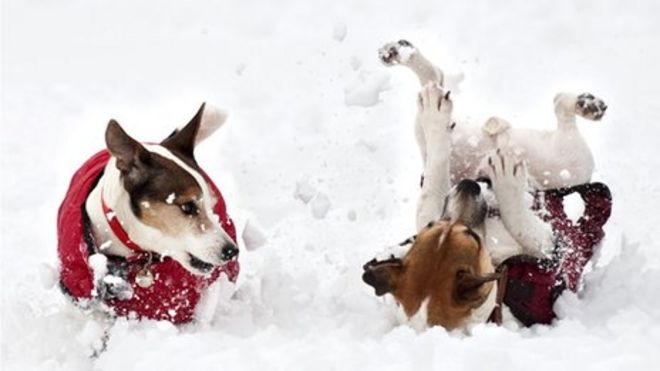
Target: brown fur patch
x=443, y=259
x=159, y=201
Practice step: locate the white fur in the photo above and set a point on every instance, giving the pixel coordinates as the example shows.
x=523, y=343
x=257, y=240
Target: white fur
x=434, y=123
x=419, y=320
x=557, y=158
x=521, y=231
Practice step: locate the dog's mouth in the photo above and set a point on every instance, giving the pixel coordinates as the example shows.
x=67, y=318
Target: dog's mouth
x=199, y=264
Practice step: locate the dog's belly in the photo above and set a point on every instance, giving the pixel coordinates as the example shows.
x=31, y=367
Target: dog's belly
x=554, y=159
x=499, y=242
x=469, y=151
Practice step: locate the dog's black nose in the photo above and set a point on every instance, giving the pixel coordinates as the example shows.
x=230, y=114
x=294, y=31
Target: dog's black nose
x=468, y=187
x=229, y=251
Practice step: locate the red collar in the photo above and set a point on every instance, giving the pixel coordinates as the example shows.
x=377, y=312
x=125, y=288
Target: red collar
x=118, y=229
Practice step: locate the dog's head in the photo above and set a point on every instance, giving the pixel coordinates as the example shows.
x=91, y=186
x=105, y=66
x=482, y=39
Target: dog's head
x=447, y=266
x=170, y=204
x=469, y=201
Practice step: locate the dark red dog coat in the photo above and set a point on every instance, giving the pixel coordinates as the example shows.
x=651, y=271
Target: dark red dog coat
x=533, y=285
x=175, y=292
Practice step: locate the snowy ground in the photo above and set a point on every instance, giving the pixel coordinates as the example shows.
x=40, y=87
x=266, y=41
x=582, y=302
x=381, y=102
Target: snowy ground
x=312, y=112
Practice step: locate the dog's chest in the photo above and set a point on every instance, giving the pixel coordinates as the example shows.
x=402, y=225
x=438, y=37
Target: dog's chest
x=499, y=242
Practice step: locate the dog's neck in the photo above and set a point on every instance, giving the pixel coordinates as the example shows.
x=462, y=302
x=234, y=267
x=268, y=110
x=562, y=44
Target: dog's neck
x=110, y=190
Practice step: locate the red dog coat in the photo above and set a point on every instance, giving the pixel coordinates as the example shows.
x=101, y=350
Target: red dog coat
x=174, y=293
x=533, y=284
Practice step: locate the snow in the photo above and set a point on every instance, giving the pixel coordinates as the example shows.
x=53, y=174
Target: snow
x=320, y=206
x=339, y=32
x=365, y=90
x=304, y=106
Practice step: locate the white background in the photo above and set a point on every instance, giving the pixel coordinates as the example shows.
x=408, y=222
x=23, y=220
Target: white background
x=290, y=83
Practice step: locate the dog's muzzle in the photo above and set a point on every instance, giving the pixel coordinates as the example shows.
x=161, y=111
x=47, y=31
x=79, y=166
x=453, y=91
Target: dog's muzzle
x=466, y=204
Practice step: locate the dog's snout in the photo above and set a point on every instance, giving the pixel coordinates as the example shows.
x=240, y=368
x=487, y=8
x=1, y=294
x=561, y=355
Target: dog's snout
x=485, y=181
x=228, y=251
x=468, y=187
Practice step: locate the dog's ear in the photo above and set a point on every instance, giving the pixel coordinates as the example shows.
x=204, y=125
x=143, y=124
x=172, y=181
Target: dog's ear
x=383, y=276
x=468, y=287
x=132, y=158
x=182, y=142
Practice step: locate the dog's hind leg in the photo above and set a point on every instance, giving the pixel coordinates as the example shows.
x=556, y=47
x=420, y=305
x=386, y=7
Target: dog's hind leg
x=406, y=54
x=434, y=117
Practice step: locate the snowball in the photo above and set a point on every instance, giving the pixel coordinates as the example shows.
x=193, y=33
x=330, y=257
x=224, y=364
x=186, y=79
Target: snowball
x=573, y=206
x=240, y=68
x=48, y=275
x=339, y=32
x=365, y=90
x=99, y=265
x=320, y=206
x=105, y=245
x=305, y=191
x=356, y=63
x=253, y=236
x=565, y=174
x=90, y=337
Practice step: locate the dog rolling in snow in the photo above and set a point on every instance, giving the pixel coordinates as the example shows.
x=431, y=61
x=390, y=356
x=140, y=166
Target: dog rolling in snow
x=143, y=230
x=486, y=249
x=555, y=159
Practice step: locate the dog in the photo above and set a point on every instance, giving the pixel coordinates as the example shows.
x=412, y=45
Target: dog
x=558, y=158
x=445, y=275
x=143, y=230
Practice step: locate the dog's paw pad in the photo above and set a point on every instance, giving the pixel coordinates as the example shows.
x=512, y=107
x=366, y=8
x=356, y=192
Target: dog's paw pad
x=590, y=107
x=495, y=125
x=396, y=53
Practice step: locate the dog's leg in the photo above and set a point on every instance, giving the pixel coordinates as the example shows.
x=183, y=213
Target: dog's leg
x=509, y=185
x=434, y=117
x=406, y=54
x=568, y=106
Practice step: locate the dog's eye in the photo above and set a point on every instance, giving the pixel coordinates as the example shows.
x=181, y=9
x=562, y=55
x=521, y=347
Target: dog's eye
x=190, y=208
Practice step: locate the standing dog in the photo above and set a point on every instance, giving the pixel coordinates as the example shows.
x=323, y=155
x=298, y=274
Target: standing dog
x=143, y=230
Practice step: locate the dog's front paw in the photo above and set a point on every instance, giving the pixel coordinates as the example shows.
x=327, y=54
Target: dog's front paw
x=435, y=108
x=590, y=107
x=508, y=177
x=396, y=53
